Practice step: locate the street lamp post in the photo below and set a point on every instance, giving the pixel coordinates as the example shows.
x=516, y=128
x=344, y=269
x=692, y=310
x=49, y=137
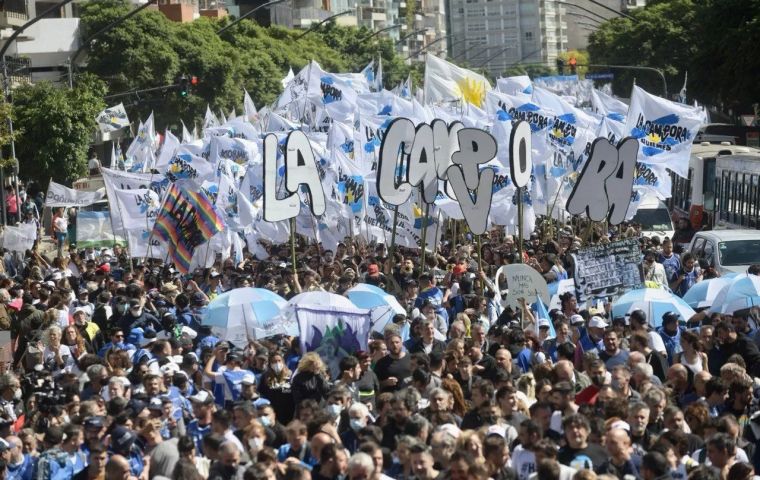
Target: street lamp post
x=248, y=14
x=414, y=54
x=374, y=34
x=637, y=67
x=314, y=26
x=107, y=28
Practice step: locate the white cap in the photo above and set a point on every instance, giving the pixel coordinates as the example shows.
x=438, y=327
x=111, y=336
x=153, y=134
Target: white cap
x=576, y=320
x=542, y=322
x=189, y=332
x=81, y=309
x=597, y=322
x=169, y=369
x=248, y=379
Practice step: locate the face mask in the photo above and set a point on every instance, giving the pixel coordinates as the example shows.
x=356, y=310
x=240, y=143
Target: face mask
x=136, y=311
x=334, y=409
x=356, y=425
x=598, y=380
x=255, y=443
x=17, y=394
x=277, y=367
x=121, y=308
x=265, y=421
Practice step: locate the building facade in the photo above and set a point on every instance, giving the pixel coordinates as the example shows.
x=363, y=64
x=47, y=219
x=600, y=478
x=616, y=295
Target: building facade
x=498, y=34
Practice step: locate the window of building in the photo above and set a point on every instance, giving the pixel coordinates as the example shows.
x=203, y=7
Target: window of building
x=529, y=35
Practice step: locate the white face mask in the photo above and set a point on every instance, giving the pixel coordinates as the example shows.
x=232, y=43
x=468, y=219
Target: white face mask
x=255, y=443
x=334, y=409
x=277, y=367
x=357, y=424
x=17, y=394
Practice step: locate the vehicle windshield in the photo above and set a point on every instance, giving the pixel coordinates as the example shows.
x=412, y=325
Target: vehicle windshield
x=739, y=252
x=653, y=219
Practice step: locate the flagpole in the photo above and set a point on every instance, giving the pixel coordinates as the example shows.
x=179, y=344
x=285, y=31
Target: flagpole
x=520, y=223
x=480, y=263
x=293, y=243
x=423, y=243
x=392, y=248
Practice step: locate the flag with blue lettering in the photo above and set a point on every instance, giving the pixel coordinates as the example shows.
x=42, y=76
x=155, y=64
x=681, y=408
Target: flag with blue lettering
x=665, y=130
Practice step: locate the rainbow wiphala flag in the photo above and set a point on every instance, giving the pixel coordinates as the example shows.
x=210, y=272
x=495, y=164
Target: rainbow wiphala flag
x=186, y=220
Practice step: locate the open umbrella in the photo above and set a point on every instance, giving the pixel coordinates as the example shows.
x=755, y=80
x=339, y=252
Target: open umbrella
x=703, y=294
x=742, y=292
x=382, y=305
x=654, y=302
x=244, y=313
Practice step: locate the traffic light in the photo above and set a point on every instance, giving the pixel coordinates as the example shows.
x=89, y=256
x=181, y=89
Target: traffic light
x=183, y=85
x=573, y=62
x=560, y=66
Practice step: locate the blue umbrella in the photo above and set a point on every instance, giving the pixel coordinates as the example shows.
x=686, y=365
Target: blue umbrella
x=742, y=292
x=704, y=293
x=245, y=313
x=654, y=302
x=382, y=305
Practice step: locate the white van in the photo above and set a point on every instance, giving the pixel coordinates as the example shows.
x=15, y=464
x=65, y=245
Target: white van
x=727, y=250
x=654, y=217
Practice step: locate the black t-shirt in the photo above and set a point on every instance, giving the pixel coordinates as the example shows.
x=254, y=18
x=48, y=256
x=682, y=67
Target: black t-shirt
x=387, y=367
x=589, y=458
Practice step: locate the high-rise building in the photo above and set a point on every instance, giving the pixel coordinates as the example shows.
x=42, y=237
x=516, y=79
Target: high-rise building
x=585, y=17
x=427, y=30
x=497, y=34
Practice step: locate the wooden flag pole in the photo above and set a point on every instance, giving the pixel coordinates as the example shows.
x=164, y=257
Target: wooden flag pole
x=293, y=244
x=520, y=224
x=423, y=243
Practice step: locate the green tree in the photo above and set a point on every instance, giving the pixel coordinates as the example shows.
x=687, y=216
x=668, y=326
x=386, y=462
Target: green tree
x=661, y=35
x=725, y=65
x=6, y=113
x=57, y=126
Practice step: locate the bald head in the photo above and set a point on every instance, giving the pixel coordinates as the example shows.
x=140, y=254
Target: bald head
x=318, y=442
x=564, y=370
x=635, y=358
x=117, y=468
x=700, y=380
x=618, y=444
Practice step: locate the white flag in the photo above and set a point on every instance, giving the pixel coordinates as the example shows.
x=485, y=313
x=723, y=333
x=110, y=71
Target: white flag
x=112, y=119
x=250, y=109
x=445, y=82
x=19, y=238
x=665, y=130
x=138, y=208
x=61, y=196
x=146, y=138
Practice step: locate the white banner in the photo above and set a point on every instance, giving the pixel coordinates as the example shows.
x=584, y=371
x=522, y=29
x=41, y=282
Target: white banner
x=60, y=196
x=112, y=119
x=20, y=238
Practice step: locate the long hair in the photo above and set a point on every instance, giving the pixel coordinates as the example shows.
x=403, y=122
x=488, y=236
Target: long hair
x=312, y=362
x=453, y=387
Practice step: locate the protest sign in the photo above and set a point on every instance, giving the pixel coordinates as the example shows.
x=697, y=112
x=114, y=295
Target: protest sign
x=603, y=270
x=94, y=230
x=19, y=238
x=522, y=281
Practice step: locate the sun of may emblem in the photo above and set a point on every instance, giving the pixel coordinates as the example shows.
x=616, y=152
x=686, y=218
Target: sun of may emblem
x=471, y=90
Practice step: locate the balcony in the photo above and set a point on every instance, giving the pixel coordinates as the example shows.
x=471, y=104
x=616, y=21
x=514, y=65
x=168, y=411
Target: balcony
x=18, y=70
x=13, y=19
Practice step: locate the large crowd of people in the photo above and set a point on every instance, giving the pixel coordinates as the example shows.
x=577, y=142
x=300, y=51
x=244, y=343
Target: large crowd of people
x=112, y=374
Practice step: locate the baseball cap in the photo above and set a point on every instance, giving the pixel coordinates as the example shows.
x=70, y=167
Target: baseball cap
x=203, y=397
x=94, y=422
x=199, y=298
x=597, y=322
x=248, y=379
x=122, y=439
x=543, y=323
x=576, y=320
x=80, y=310
x=261, y=403
x=155, y=404
x=149, y=336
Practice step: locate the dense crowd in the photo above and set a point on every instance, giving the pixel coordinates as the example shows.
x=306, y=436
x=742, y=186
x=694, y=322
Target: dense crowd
x=113, y=374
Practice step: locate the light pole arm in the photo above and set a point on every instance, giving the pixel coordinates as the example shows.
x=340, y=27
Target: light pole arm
x=28, y=24
x=312, y=27
x=247, y=14
x=631, y=67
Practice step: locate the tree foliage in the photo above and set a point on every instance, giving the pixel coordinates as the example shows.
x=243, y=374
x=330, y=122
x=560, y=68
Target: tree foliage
x=148, y=51
x=57, y=126
x=714, y=40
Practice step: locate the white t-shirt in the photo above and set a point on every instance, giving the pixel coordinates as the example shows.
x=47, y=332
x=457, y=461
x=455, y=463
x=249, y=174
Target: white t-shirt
x=524, y=462
x=61, y=224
